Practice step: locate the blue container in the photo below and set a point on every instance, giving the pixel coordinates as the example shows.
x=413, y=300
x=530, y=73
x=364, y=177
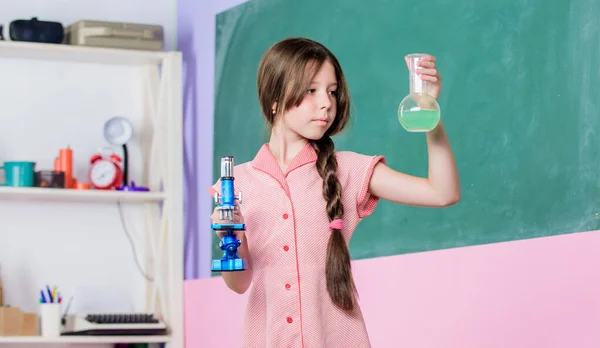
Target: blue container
x=19, y=174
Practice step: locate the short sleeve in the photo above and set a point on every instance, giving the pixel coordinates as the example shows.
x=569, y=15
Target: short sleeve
x=356, y=171
x=366, y=202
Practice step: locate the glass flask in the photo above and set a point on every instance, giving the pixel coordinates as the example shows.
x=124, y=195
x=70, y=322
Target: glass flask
x=418, y=111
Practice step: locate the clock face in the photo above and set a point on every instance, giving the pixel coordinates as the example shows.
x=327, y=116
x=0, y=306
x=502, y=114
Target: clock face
x=103, y=173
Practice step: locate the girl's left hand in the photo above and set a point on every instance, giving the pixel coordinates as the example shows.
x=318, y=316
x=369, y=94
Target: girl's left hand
x=428, y=72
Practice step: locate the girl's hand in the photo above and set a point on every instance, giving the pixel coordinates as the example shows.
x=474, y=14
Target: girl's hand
x=238, y=218
x=428, y=72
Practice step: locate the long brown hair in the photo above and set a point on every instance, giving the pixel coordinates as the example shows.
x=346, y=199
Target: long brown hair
x=284, y=75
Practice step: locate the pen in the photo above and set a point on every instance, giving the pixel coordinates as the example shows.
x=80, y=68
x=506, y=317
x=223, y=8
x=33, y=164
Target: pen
x=42, y=298
x=49, y=293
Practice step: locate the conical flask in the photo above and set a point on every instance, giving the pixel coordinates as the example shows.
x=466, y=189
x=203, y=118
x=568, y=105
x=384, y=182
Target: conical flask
x=418, y=111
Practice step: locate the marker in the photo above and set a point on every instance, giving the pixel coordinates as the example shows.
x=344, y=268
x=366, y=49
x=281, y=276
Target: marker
x=49, y=293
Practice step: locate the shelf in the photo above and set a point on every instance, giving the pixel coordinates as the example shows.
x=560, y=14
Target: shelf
x=156, y=82
x=84, y=339
x=54, y=194
x=71, y=53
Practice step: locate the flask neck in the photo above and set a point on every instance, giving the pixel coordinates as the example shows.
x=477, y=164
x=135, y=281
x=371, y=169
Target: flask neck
x=416, y=84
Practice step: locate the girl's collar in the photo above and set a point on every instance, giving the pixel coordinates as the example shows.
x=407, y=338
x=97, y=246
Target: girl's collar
x=266, y=162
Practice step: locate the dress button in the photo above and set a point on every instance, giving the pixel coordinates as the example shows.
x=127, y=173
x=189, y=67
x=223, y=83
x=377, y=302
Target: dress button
x=286, y=248
x=288, y=286
x=285, y=216
x=289, y=320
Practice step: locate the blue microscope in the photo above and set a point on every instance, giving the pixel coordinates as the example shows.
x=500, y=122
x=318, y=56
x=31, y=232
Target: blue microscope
x=226, y=206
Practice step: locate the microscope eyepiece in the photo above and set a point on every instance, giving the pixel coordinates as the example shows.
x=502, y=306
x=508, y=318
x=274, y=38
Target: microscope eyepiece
x=227, y=165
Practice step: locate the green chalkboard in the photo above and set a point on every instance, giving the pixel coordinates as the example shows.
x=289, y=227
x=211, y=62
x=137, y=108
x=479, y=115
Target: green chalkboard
x=521, y=104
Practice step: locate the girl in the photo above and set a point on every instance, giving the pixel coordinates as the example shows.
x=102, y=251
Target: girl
x=302, y=202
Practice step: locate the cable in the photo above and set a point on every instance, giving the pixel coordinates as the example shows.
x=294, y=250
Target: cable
x=131, y=243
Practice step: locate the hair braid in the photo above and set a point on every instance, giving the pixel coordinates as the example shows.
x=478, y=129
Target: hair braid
x=340, y=284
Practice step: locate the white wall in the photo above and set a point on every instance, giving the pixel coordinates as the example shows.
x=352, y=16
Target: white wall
x=48, y=105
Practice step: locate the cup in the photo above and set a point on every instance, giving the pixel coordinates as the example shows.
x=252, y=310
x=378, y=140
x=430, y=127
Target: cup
x=18, y=174
x=50, y=317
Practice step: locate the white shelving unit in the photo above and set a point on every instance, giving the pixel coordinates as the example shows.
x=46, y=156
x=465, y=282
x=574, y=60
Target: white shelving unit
x=39, y=194
x=163, y=173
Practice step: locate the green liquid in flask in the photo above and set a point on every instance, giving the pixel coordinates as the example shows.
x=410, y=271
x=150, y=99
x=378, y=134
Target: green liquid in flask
x=419, y=120
x=418, y=111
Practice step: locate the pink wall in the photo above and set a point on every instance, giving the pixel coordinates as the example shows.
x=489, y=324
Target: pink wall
x=532, y=293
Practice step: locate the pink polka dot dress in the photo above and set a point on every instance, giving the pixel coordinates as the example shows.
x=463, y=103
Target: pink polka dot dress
x=287, y=231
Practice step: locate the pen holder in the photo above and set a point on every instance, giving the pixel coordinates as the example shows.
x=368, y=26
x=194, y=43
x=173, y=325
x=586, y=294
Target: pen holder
x=50, y=319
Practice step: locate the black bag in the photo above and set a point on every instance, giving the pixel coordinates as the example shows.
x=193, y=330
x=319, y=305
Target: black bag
x=32, y=30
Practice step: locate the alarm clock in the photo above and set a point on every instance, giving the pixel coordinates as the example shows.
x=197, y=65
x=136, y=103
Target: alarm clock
x=105, y=172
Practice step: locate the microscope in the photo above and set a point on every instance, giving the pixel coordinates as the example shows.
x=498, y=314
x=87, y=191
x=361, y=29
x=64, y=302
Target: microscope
x=225, y=202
